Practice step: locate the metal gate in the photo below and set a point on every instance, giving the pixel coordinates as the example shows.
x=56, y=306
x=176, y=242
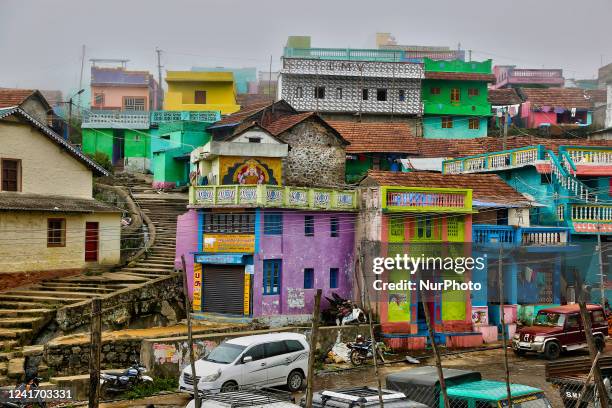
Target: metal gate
x=223, y=289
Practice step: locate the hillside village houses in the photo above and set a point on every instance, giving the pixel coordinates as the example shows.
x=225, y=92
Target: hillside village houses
x=363, y=152
x=51, y=225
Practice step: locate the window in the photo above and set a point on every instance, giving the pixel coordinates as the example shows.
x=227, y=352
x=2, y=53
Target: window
x=396, y=229
x=402, y=95
x=199, y=97
x=447, y=122
x=56, y=232
x=299, y=92
x=364, y=94
x=573, y=322
x=309, y=225
x=598, y=316
x=10, y=175
x=560, y=212
x=99, y=99
x=165, y=137
x=308, y=278
x=474, y=123
x=424, y=227
x=275, y=348
x=254, y=139
x=133, y=103
x=271, y=276
x=435, y=90
x=229, y=223
x=334, y=227
x=319, y=92
x=338, y=93
x=452, y=227
x=381, y=94
x=257, y=352
x=293, y=346
x=273, y=223
x=473, y=92
x=333, y=277
x=455, y=95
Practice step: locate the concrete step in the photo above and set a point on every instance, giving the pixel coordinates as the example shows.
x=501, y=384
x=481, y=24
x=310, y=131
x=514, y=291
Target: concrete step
x=8, y=344
x=79, y=288
x=4, y=368
x=148, y=270
x=5, y=381
x=14, y=334
x=21, y=305
x=33, y=323
x=65, y=295
x=15, y=368
x=24, y=312
x=38, y=299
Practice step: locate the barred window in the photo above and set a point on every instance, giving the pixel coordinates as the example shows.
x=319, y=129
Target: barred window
x=133, y=103
x=229, y=223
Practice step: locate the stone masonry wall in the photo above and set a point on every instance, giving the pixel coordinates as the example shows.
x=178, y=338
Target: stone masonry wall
x=316, y=156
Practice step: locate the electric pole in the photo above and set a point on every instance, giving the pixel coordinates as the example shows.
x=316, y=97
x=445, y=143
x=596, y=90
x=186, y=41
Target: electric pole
x=159, y=79
x=81, y=77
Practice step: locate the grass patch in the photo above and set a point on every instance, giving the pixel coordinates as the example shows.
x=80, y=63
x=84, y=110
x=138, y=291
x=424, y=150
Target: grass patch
x=147, y=389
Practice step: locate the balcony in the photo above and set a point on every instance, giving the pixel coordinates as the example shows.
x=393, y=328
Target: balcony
x=544, y=236
x=495, y=161
x=112, y=119
x=492, y=235
x=591, y=219
x=464, y=108
x=594, y=161
x=272, y=196
x=346, y=54
x=415, y=199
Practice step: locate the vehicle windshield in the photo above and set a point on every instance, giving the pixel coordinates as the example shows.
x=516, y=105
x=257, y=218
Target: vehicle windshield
x=224, y=353
x=549, y=319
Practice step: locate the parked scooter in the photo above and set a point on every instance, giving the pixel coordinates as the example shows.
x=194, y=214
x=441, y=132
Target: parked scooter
x=343, y=311
x=361, y=350
x=120, y=381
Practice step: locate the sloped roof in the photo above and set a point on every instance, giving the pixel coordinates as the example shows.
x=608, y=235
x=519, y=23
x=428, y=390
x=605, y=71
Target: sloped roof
x=55, y=138
x=10, y=201
x=503, y=96
x=376, y=137
x=485, y=187
x=460, y=76
x=597, y=95
x=10, y=97
x=566, y=98
x=287, y=122
x=244, y=113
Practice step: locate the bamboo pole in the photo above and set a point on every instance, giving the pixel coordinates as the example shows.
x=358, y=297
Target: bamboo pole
x=196, y=394
x=502, y=314
x=313, y=346
x=95, y=350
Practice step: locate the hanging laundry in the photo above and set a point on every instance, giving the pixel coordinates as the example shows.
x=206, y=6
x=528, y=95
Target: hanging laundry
x=573, y=112
x=559, y=110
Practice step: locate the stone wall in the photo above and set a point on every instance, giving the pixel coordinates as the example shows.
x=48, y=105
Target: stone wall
x=122, y=306
x=316, y=156
x=167, y=357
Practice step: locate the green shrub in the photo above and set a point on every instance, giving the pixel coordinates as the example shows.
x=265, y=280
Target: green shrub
x=151, y=388
x=102, y=159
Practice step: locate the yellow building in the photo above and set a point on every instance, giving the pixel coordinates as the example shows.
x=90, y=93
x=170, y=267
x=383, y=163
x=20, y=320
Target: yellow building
x=50, y=224
x=200, y=91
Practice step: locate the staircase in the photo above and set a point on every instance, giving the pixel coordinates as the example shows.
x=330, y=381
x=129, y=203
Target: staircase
x=25, y=311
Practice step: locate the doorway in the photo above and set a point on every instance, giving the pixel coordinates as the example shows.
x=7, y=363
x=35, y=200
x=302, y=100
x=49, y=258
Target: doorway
x=118, y=146
x=91, y=241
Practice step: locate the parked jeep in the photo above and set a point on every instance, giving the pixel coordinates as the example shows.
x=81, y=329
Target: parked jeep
x=559, y=329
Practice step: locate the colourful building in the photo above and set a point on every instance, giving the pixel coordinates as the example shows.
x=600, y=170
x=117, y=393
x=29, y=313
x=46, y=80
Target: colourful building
x=455, y=102
x=244, y=78
x=257, y=248
x=560, y=110
x=200, y=91
x=120, y=89
x=509, y=76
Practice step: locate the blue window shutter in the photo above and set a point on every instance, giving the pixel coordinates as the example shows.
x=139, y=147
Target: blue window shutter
x=271, y=276
x=333, y=277
x=308, y=278
x=273, y=223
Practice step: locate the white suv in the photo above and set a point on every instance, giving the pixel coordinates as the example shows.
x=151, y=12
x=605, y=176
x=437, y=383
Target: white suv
x=263, y=360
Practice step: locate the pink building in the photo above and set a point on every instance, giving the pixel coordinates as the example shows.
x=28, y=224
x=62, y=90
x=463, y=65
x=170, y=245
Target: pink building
x=555, y=107
x=508, y=76
x=120, y=89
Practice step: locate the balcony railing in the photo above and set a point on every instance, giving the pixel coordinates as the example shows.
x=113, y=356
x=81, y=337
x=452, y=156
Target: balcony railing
x=273, y=196
x=525, y=236
x=414, y=199
x=588, y=155
x=591, y=219
x=537, y=73
x=434, y=108
x=143, y=119
x=103, y=119
x=494, y=161
x=346, y=54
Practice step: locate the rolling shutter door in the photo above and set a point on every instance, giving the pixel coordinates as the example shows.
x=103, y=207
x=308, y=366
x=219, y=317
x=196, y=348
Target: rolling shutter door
x=223, y=289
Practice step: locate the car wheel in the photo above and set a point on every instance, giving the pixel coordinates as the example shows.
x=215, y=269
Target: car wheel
x=229, y=386
x=600, y=344
x=552, y=350
x=519, y=353
x=295, y=381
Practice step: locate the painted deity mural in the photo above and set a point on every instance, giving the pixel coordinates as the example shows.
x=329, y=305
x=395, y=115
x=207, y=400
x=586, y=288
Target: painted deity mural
x=238, y=170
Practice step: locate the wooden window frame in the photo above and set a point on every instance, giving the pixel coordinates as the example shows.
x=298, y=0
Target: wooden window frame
x=334, y=227
x=195, y=97
x=435, y=90
x=473, y=92
x=474, y=123
x=447, y=122
x=101, y=95
x=63, y=230
x=455, y=96
x=144, y=105
x=309, y=225
x=270, y=278
x=19, y=174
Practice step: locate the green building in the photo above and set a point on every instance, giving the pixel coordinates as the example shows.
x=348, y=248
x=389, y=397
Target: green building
x=174, y=143
x=454, y=96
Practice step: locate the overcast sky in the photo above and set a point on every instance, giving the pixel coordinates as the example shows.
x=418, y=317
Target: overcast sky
x=41, y=40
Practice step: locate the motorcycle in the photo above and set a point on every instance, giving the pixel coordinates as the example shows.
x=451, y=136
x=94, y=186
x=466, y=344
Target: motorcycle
x=114, y=382
x=343, y=311
x=362, y=350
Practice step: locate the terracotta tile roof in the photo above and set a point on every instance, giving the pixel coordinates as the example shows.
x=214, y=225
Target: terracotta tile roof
x=37, y=202
x=566, y=98
x=598, y=95
x=485, y=187
x=13, y=97
x=247, y=100
x=504, y=96
x=242, y=114
x=460, y=76
x=286, y=122
x=376, y=137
